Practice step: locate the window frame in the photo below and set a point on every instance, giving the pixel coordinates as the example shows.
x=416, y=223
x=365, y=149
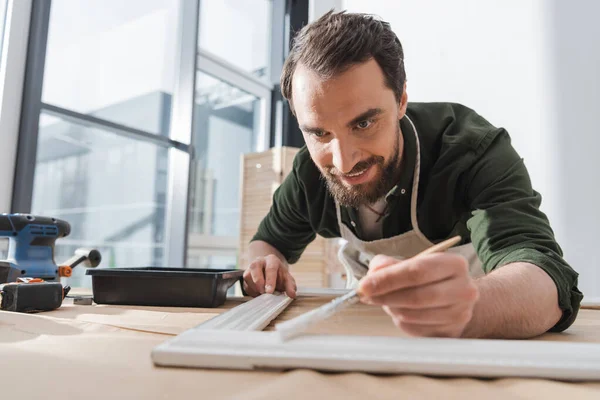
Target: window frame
x=190, y=60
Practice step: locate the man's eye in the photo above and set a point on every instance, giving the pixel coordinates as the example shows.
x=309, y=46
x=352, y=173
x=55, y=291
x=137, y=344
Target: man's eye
x=319, y=134
x=364, y=124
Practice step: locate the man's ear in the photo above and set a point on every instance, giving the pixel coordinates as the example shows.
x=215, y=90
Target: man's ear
x=403, y=103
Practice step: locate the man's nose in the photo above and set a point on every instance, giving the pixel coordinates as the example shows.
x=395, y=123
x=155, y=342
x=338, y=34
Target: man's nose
x=345, y=155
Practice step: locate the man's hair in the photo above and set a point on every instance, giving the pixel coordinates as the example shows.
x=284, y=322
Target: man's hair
x=338, y=41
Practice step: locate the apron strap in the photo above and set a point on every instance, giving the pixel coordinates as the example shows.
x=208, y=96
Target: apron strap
x=414, y=195
x=415, y=187
x=338, y=213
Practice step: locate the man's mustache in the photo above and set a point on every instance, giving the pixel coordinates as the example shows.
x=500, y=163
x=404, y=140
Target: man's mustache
x=360, y=166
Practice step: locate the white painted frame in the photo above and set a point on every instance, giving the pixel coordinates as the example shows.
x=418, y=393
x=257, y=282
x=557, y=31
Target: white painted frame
x=253, y=315
x=234, y=340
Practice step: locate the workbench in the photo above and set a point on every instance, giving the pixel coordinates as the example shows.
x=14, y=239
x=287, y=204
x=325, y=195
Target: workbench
x=102, y=352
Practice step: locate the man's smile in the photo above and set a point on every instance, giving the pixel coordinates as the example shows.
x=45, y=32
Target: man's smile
x=360, y=177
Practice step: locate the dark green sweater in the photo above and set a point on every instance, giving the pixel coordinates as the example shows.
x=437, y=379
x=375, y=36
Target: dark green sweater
x=472, y=183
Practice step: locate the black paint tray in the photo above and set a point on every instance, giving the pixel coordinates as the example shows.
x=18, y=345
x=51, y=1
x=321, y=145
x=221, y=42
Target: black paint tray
x=155, y=286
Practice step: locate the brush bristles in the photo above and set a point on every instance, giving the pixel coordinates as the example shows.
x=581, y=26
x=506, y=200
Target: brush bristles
x=298, y=325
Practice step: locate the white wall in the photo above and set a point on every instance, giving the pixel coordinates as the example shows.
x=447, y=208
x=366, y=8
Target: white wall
x=531, y=67
x=575, y=35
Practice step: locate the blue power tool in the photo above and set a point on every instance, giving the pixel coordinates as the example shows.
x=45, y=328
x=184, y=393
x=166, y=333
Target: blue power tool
x=31, y=246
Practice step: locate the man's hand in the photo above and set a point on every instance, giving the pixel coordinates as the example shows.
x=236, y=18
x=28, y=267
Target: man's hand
x=267, y=274
x=430, y=295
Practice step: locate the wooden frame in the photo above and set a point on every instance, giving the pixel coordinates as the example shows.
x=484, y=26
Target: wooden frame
x=233, y=340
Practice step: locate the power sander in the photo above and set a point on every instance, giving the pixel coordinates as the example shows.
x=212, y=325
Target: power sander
x=30, y=278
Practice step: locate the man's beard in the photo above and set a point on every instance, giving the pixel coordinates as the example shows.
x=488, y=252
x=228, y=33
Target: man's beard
x=369, y=192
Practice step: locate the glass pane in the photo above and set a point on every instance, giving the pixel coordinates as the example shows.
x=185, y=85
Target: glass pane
x=113, y=59
x=226, y=123
x=247, y=46
x=111, y=189
x=210, y=261
x=3, y=248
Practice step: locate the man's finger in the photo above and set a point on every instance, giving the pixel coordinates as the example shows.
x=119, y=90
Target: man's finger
x=290, y=285
x=381, y=261
x=250, y=289
x=455, y=314
x=257, y=273
x=439, y=294
x=271, y=271
x=423, y=330
x=249, y=286
x=413, y=272
x=281, y=279
x=429, y=330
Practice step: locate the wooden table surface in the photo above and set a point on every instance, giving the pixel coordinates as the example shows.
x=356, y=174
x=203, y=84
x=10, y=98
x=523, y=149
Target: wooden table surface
x=100, y=352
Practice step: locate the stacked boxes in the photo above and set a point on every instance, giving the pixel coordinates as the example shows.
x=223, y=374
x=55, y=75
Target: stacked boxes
x=261, y=175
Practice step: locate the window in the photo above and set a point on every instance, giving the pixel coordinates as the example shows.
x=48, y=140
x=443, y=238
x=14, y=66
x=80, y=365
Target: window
x=3, y=248
x=231, y=117
x=238, y=32
x=121, y=126
x=227, y=124
x=3, y=9
x=104, y=155
x=114, y=60
x=110, y=188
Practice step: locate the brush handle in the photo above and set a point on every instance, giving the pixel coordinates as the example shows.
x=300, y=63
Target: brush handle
x=441, y=246
x=437, y=248
x=301, y=323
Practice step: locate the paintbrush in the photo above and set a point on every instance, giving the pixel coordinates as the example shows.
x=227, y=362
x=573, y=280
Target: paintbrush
x=298, y=325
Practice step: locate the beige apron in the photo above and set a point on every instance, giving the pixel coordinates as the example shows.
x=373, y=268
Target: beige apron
x=355, y=253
